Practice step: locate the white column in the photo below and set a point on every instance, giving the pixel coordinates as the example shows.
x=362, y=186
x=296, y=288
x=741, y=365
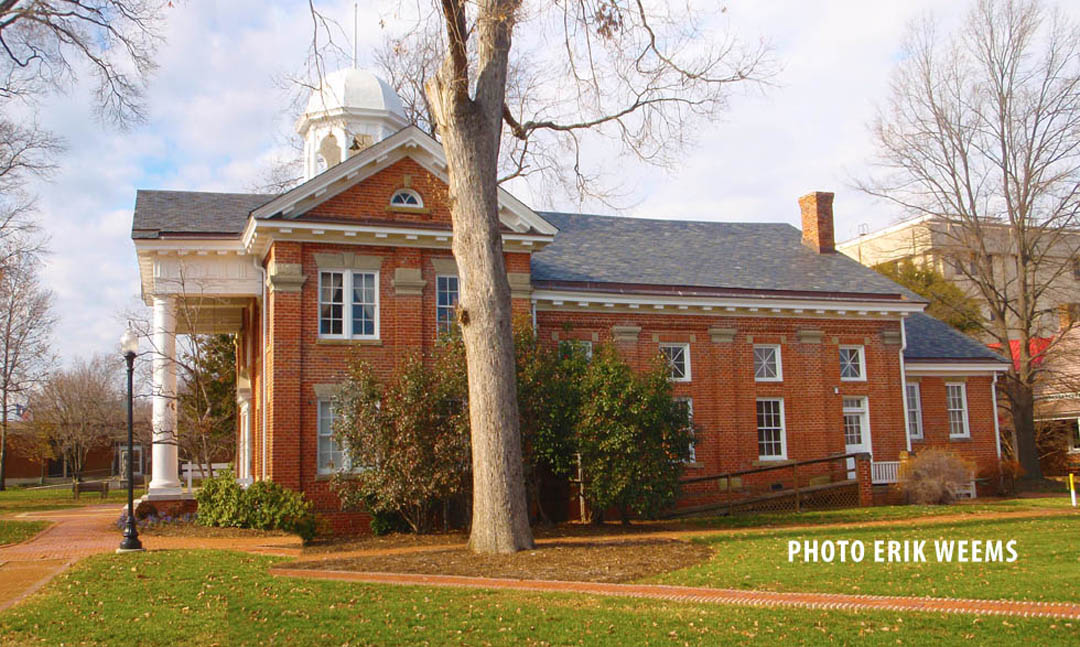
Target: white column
x=164, y=481
x=243, y=455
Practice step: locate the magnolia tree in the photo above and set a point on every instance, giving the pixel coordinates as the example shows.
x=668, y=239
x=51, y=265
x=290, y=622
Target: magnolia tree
x=549, y=381
x=632, y=435
x=406, y=438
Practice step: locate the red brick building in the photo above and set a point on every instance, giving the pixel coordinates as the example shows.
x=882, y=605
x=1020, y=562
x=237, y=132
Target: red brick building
x=787, y=349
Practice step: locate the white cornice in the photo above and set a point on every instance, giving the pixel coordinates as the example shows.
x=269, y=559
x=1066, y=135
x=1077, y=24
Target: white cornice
x=260, y=233
x=763, y=305
x=930, y=369
x=409, y=142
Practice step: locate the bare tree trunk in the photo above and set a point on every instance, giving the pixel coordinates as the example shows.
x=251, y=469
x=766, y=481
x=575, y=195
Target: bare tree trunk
x=500, y=521
x=1023, y=415
x=3, y=442
x=471, y=129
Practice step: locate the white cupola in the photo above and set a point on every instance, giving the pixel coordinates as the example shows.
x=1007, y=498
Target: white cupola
x=351, y=111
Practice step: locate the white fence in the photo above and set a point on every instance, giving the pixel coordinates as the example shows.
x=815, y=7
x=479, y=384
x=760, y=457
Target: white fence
x=189, y=470
x=884, y=472
x=887, y=472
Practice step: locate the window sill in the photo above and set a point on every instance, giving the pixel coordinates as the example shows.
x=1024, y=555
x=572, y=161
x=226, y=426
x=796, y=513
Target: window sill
x=959, y=439
x=327, y=476
x=400, y=209
x=771, y=462
x=853, y=379
x=322, y=341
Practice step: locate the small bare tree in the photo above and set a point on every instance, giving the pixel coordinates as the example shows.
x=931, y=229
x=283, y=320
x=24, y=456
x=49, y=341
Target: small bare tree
x=982, y=131
x=26, y=323
x=79, y=409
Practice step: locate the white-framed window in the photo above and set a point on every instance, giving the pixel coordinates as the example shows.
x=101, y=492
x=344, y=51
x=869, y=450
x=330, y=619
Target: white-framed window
x=1074, y=441
x=678, y=359
x=852, y=364
x=406, y=198
x=956, y=403
x=914, y=411
x=348, y=304
x=446, y=300
x=772, y=437
x=691, y=457
x=767, y=364
x=331, y=457
x=585, y=346
x=856, y=421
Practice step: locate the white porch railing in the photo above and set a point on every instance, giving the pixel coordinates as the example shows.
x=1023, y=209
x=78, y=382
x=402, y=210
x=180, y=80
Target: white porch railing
x=886, y=472
x=883, y=472
x=190, y=471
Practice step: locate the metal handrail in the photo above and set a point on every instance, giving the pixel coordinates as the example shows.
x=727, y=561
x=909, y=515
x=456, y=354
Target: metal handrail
x=779, y=466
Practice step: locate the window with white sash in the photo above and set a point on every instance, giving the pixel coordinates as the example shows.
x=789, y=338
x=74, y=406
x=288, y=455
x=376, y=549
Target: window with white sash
x=331, y=457
x=914, y=411
x=956, y=402
x=348, y=304
x=772, y=441
x=767, y=365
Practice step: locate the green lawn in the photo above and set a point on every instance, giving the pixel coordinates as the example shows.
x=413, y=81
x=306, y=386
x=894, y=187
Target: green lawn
x=12, y=532
x=878, y=513
x=16, y=500
x=211, y=597
x=1047, y=568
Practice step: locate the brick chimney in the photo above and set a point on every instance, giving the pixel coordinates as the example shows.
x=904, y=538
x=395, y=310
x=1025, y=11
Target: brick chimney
x=817, y=222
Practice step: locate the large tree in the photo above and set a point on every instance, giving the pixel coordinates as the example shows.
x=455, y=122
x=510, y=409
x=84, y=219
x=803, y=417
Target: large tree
x=982, y=132
x=641, y=75
x=26, y=322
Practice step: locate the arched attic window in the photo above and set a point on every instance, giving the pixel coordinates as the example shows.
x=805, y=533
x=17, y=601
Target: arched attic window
x=406, y=198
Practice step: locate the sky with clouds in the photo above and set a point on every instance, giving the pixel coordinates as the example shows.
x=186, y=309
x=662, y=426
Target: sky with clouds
x=217, y=115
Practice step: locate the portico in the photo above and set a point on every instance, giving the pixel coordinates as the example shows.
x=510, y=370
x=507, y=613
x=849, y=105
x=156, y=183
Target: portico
x=193, y=287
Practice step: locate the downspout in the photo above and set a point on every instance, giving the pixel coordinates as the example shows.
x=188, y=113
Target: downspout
x=262, y=363
x=997, y=431
x=903, y=383
x=533, y=313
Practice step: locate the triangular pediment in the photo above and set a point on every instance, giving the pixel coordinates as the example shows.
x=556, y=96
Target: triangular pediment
x=408, y=156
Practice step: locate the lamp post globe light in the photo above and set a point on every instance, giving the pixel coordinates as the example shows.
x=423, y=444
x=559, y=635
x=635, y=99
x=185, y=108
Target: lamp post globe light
x=129, y=345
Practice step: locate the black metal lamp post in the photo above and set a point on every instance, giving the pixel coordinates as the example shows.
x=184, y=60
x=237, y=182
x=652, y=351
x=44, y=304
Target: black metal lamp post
x=129, y=344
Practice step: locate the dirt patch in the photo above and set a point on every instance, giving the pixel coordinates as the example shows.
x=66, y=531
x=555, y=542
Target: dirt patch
x=600, y=561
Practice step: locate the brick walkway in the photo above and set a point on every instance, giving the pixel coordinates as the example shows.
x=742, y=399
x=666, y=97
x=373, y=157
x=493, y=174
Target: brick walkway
x=77, y=533
x=828, y=601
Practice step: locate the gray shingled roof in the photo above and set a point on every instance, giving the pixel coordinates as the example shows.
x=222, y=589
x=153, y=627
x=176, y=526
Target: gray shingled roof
x=714, y=255
x=932, y=339
x=192, y=212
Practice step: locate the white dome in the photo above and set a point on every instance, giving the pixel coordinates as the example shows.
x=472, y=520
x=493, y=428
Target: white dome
x=353, y=89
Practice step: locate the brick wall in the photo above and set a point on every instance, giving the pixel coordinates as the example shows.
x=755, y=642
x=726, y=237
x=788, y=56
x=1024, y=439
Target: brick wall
x=981, y=447
x=725, y=393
